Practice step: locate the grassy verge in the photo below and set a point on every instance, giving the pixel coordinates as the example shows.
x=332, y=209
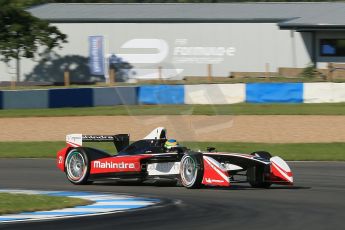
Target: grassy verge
x=17, y=203
x=188, y=80
x=298, y=151
x=232, y=109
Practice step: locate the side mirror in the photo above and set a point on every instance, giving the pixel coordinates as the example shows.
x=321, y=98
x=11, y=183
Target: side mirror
x=181, y=150
x=211, y=149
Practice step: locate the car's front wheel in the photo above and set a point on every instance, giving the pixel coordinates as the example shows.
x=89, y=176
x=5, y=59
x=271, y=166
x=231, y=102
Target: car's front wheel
x=77, y=166
x=256, y=177
x=191, y=170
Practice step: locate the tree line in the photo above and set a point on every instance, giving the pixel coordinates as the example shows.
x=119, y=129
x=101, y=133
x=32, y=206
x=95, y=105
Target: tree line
x=25, y=36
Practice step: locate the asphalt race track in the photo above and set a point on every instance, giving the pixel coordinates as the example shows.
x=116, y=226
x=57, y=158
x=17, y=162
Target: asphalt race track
x=317, y=201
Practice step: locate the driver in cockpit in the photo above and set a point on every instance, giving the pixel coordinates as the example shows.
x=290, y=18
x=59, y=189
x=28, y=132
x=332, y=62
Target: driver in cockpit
x=171, y=145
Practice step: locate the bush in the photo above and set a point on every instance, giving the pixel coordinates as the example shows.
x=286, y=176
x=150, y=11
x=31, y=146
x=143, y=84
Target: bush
x=309, y=72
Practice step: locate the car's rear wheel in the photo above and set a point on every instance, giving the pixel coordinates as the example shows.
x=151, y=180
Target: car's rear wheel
x=191, y=170
x=77, y=166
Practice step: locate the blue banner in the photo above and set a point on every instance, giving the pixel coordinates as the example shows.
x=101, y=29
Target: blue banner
x=161, y=94
x=96, y=55
x=274, y=92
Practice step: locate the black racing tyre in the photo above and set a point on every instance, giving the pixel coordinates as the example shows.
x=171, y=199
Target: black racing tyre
x=77, y=166
x=191, y=170
x=262, y=154
x=255, y=177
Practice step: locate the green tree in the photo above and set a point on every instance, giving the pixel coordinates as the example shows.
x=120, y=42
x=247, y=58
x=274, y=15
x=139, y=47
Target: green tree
x=28, y=3
x=25, y=36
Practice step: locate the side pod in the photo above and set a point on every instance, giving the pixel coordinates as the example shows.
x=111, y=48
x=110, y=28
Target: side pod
x=280, y=172
x=214, y=173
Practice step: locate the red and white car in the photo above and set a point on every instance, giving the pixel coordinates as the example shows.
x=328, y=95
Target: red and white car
x=148, y=159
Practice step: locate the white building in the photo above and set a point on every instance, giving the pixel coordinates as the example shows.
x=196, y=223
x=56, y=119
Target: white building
x=183, y=38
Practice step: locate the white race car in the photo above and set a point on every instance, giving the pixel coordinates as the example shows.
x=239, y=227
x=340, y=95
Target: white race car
x=148, y=159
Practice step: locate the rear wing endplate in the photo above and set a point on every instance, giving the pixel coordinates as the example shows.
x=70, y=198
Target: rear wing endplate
x=120, y=140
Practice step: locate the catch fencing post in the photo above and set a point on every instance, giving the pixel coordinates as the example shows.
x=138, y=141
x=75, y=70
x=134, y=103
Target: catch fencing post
x=267, y=71
x=160, y=73
x=66, y=78
x=111, y=76
x=330, y=72
x=209, y=72
x=13, y=84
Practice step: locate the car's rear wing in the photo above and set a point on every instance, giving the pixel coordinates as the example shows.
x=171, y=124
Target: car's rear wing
x=76, y=140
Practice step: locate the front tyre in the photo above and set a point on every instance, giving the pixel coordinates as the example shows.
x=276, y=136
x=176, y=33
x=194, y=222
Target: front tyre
x=191, y=170
x=256, y=174
x=77, y=166
x=256, y=177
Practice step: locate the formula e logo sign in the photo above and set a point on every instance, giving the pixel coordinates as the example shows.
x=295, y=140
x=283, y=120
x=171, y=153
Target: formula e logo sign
x=147, y=54
x=148, y=58
x=182, y=52
x=112, y=165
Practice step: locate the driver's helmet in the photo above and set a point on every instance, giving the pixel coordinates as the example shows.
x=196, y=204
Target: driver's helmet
x=171, y=143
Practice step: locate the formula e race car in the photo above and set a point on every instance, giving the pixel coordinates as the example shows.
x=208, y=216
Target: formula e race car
x=149, y=159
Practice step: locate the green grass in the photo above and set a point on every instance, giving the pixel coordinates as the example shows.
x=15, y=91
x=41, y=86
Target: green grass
x=232, y=109
x=16, y=203
x=299, y=151
x=188, y=80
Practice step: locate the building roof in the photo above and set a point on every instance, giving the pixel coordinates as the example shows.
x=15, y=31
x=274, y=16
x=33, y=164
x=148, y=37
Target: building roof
x=288, y=15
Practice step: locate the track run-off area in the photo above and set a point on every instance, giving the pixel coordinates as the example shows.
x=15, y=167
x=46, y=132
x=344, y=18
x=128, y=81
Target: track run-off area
x=226, y=128
x=101, y=203
x=316, y=201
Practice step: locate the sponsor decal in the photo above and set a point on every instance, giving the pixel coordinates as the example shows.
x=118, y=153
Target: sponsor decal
x=209, y=180
x=118, y=164
x=60, y=160
x=74, y=140
x=98, y=137
x=167, y=168
x=112, y=165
